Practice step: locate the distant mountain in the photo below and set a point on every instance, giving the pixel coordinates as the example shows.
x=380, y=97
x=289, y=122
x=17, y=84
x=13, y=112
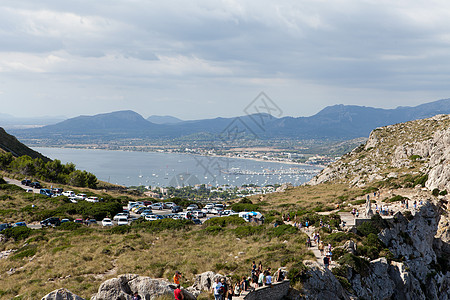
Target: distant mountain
x=9, y=143
x=163, y=120
x=9, y=121
x=337, y=122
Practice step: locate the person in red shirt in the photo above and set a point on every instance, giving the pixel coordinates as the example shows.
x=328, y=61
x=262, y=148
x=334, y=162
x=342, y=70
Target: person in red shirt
x=178, y=293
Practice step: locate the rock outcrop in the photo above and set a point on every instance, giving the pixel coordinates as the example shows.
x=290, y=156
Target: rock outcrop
x=414, y=148
x=419, y=269
x=61, y=294
x=124, y=286
x=203, y=282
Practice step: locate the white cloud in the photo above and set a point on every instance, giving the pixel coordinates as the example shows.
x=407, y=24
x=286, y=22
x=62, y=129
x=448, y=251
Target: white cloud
x=225, y=49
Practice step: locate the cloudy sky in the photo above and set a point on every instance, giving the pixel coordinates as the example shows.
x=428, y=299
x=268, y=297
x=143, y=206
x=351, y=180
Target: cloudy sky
x=200, y=59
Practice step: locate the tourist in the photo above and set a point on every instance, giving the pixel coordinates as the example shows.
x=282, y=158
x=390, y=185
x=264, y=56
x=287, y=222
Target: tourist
x=178, y=293
x=326, y=262
x=268, y=279
x=280, y=275
x=357, y=214
x=224, y=287
x=237, y=289
x=260, y=267
x=229, y=293
x=217, y=289
x=254, y=277
x=321, y=247
x=261, y=279
x=136, y=296
x=244, y=284
x=177, y=277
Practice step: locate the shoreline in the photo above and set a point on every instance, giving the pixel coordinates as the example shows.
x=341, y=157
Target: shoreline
x=185, y=153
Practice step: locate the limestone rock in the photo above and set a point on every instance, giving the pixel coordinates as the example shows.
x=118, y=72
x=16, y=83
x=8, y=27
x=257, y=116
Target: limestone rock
x=203, y=282
x=61, y=294
x=321, y=283
x=124, y=286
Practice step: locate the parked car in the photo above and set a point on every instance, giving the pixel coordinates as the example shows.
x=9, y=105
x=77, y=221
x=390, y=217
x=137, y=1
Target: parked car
x=26, y=182
x=158, y=206
x=81, y=196
x=122, y=221
x=176, y=209
x=229, y=212
x=197, y=221
x=90, y=222
x=107, y=222
x=192, y=207
x=35, y=185
x=208, y=208
x=20, y=224
x=216, y=210
x=79, y=221
x=169, y=204
x=65, y=221
x=120, y=215
x=52, y=221
x=46, y=192
x=147, y=203
x=5, y=226
x=73, y=200
x=69, y=194
x=29, y=190
x=92, y=199
x=153, y=217
x=57, y=191
x=198, y=214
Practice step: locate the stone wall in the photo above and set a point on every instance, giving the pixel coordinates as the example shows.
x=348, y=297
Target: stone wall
x=276, y=292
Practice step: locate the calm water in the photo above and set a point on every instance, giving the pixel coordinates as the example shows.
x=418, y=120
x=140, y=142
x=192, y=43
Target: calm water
x=170, y=169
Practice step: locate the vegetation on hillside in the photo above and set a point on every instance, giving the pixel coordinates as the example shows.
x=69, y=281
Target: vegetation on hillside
x=51, y=171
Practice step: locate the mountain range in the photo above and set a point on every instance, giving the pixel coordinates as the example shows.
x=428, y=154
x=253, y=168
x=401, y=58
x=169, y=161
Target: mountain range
x=337, y=122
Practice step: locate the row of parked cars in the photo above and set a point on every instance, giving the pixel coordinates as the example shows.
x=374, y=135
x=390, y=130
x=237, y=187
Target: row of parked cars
x=8, y=225
x=56, y=192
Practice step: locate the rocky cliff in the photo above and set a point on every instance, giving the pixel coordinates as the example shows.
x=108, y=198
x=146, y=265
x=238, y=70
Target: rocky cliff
x=415, y=152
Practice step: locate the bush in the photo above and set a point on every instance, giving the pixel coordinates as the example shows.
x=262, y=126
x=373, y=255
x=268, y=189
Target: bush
x=26, y=251
x=338, y=237
x=225, y=221
x=435, y=192
x=395, y=198
x=238, y=207
x=358, y=264
x=17, y=233
x=160, y=225
x=122, y=229
x=297, y=273
x=69, y=226
x=375, y=225
x=282, y=230
x=243, y=231
x=214, y=229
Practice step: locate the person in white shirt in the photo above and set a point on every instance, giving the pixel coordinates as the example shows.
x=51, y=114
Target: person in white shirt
x=217, y=287
x=268, y=279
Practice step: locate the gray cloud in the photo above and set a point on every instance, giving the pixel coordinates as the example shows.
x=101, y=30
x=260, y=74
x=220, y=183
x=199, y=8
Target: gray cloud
x=209, y=58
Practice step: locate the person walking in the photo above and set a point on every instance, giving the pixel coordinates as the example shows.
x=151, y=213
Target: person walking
x=321, y=247
x=326, y=262
x=136, y=296
x=178, y=293
x=177, y=277
x=261, y=279
x=217, y=287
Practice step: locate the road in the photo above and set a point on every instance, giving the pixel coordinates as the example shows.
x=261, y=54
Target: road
x=17, y=182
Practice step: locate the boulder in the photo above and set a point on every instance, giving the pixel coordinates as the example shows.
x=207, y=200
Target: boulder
x=350, y=247
x=203, y=282
x=61, y=294
x=321, y=283
x=124, y=286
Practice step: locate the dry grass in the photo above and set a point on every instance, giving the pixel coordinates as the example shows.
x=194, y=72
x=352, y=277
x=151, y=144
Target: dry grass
x=80, y=260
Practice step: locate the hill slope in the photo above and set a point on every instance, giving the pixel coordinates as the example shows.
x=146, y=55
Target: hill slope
x=9, y=143
x=410, y=153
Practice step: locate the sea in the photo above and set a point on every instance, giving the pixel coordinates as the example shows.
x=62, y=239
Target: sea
x=155, y=169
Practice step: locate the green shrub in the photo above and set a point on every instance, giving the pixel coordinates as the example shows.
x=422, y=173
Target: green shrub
x=443, y=193
x=224, y=221
x=243, y=231
x=214, y=229
x=122, y=229
x=336, y=238
x=435, y=192
x=17, y=233
x=69, y=226
x=359, y=264
x=395, y=198
x=11, y=187
x=282, y=230
x=238, y=207
x=421, y=180
x=25, y=251
x=375, y=225
x=297, y=273
x=415, y=157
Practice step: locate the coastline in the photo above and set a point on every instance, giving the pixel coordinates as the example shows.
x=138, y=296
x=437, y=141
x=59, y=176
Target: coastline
x=185, y=153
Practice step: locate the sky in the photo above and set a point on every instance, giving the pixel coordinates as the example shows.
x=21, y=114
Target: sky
x=203, y=59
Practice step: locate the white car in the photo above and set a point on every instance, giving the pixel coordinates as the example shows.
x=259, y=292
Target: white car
x=198, y=214
x=69, y=194
x=120, y=215
x=170, y=204
x=192, y=207
x=151, y=217
x=92, y=199
x=73, y=200
x=122, y=221
x=81, y=196
x=107, y=222
x=229, y=212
